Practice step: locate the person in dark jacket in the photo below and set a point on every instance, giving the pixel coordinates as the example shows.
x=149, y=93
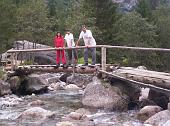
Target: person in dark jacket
x=59, y=43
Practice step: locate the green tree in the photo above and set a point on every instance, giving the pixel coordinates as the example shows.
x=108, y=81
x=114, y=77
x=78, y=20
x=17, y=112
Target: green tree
x=162, y=21
x=7, y=20
x=59, y=11
x=144, y=8
x=133, y=30
x=33, y=23
x=100, y=15
x=106, y=16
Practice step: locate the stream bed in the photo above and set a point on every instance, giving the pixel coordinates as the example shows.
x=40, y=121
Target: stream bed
x=60, y=102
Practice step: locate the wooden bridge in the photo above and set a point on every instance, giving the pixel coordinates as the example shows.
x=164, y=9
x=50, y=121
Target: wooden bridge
x=159, y=81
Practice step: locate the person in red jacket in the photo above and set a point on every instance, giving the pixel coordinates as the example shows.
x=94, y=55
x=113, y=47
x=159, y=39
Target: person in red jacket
x=59, y=43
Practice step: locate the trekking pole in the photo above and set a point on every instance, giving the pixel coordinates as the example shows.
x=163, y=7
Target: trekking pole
x=73, y=61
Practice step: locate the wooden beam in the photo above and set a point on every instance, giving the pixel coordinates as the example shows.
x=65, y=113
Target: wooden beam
x=85, y=70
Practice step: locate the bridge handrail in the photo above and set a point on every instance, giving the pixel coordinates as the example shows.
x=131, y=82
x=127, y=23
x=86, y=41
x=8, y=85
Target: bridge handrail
x=103, y=51
x=97, y=46
x=52, y=49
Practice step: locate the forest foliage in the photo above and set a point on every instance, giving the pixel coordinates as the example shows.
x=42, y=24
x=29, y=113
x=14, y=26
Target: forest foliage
x=148, y=25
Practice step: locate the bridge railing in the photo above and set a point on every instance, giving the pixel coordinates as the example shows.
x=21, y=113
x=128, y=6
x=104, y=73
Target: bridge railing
x=102, y=47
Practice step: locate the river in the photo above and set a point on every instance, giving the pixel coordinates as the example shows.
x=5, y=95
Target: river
x=60, y=102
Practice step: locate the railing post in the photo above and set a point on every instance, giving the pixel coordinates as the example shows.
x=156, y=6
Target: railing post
x=12, y=61
x=15, y=60
x=73, y=61
x=103, y=62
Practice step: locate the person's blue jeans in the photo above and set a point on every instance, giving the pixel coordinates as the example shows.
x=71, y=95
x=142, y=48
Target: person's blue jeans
x=93, y=53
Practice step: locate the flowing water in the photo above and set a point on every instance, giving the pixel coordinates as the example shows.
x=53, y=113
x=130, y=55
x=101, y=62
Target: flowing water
x=61, y=103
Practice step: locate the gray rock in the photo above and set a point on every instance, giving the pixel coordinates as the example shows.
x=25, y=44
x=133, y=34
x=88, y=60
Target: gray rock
x=36, y=103
x=35, y=114
x=75, y=116
x=159, y=118
x=15, y=82
x=57, y=86
x=9, y=101
x=43, y=57
x=160, y=99
x=101, y=95
x=132, y=91
x=72, y=87
x=83, y=111
x=33, y=84
x=169, y=106
x=148, y=111
x=80, y=80
x=76, y=123
x=66, y=123
x=4, y=88
x=167, y=123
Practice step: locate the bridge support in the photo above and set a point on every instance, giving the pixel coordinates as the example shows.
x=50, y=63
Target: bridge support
x=103, y=60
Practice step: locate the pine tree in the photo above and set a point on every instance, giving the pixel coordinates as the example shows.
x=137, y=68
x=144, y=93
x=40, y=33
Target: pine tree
x=32, y=22
x=144, y=8
x=7, y=20
x=101, y=15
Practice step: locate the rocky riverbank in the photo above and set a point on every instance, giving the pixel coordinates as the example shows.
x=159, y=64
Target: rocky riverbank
x=83, y=100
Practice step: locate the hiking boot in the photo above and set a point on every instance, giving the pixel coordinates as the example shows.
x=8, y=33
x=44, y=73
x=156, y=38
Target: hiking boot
x=57, y=66
x=86, y=64
x=65, y=65
x=93, y=64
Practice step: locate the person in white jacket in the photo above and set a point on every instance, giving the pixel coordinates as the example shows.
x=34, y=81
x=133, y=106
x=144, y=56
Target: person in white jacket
x=87, y=36
x=69, y=38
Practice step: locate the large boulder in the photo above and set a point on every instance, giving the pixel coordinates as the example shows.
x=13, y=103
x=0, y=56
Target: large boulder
x=4, y=88
x=23, y=84
x=161, y=99
x=15, y=82
x=42, y=57
x=148, y=111
x=64, y=77
x=132, y=91
x=33, y=84
x=80, y=80
x=159, y=118
x=99, y=94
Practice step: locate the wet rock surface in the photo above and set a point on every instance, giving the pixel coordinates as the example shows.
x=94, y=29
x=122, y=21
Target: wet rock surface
x=160, y=99
x=65, y=99
x=35, y=114
x=4, y=88
x=80, y=80
x=101, y=95
x=159, y=118
x=148, y=111
x=33, y=83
